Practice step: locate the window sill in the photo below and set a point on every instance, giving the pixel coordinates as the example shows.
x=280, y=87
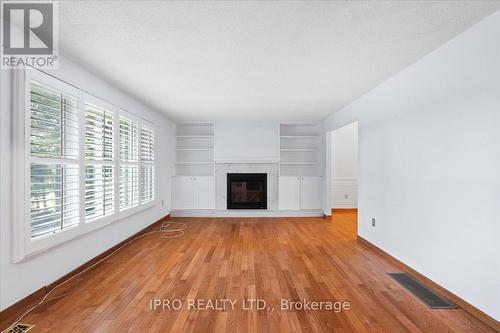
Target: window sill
x=43, y=243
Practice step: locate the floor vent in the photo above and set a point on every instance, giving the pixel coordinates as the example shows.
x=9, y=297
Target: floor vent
x=426, y=295
x=20, y=328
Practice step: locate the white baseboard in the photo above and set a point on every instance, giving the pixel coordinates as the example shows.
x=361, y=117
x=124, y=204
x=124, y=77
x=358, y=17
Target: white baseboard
x=246, y=213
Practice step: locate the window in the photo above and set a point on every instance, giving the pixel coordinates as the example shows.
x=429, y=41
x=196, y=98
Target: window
x=54, y=150
x=129, y=163
x=99, y=179
x=84, y=160
x=147, y=161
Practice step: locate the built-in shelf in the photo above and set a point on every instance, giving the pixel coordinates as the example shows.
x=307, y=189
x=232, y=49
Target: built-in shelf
x=195, y=149
x=300, y=149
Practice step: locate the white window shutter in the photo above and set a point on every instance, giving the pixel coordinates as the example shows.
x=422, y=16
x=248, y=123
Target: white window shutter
x=129, y=163
x=99, y=168
x=147, y=164
x=54, y=151
x=98, y=133
x=87, y=160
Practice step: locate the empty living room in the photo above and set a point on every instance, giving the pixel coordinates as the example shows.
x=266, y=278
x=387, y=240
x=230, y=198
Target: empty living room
x=250, y=166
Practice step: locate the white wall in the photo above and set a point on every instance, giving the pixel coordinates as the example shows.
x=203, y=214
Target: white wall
x=344, y=167
x=429, y=165
x=19, y=280
x=246, y=140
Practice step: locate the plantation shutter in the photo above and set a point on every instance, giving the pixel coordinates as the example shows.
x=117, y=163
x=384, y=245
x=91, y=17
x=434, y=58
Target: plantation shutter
x=147, y=164
x=99, y=155
x=129, y=163
x=80, y=158
x=54, y=152
x=98, y=133
x=147, y=145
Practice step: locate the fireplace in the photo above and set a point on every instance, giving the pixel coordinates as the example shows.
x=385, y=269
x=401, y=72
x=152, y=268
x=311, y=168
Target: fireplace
x=247, y=191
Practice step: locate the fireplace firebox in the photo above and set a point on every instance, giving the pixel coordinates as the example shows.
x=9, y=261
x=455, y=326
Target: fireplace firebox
x=246, y=191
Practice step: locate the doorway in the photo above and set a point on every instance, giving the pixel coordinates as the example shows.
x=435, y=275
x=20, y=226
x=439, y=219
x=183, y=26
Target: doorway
x=343, y=167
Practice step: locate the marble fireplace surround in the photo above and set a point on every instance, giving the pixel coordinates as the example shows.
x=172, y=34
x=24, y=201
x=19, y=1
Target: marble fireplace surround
x=223, y=168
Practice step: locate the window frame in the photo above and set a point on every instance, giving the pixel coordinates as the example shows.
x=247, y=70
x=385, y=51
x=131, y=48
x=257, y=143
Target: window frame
x=24, y=246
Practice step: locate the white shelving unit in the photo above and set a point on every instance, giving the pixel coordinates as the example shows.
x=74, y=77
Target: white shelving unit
x=300, y=149
x=195, y=149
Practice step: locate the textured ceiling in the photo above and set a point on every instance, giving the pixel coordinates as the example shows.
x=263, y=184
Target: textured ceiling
x=258, y=60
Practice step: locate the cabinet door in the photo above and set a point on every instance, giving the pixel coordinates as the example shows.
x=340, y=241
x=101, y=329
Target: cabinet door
x=204, y=192
x=182, y=193
x=289, y=193
x=310, y=193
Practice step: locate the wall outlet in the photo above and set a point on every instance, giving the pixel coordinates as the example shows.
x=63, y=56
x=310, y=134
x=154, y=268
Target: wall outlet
x=163, y=202
x=346, y=196
x=373, y=221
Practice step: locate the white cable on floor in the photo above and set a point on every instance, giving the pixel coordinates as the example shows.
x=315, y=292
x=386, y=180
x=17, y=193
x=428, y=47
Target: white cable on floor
x=163, y=229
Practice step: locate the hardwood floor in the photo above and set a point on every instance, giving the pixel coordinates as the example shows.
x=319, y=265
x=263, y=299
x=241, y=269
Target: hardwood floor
x=239, y=259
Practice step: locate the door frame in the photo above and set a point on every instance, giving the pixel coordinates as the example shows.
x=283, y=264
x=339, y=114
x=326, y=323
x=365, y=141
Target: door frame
x=327, y=210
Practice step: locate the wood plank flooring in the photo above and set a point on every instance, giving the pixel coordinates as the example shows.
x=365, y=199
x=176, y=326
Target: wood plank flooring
x=317, y=259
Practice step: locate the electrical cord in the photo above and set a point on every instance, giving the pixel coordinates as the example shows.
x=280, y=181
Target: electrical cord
x=165, y=232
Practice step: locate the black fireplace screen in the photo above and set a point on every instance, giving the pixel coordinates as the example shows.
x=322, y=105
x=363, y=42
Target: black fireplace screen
x=246, y=191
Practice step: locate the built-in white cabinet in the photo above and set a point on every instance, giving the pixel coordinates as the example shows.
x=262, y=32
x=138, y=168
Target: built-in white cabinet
x=193, y=192
x=310, y=193
x=296, y=192
x=193, y=187
x=300, y=166
x=203, y=192
x=182, y=193
x=289, y=193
